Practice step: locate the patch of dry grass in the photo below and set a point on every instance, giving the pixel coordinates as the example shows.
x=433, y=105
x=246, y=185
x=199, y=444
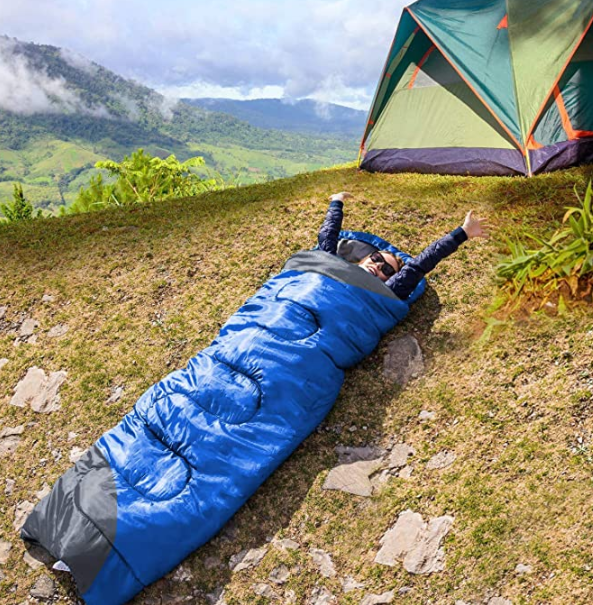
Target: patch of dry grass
x=143, y=289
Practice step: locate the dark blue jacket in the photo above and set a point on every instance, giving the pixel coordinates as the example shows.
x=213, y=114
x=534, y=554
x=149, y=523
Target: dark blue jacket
x=404, y=281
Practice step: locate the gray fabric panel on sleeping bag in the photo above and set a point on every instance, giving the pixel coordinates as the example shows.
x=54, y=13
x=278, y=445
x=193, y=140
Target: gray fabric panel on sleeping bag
x=317, y=261
x=353, y=250
x=62, y=523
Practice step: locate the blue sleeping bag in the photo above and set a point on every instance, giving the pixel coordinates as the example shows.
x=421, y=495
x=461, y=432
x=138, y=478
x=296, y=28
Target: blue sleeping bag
x=198, y=443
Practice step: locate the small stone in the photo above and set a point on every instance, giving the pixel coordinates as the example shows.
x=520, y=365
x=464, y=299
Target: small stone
x=323, y=562
x=58, y=331
x=403, y=360
x=523, y=569
x=354, y=454
x=247, y=559
x=76, y=454
x=181, y=574
x=72, y=436
x=3, y=362
x=321, y=596
x=265, y=590
x=28, y=327
x=349, y=584
x=399, y=455
x=44, y=491
x=378, y=599
x=32, y=340
x=10, y=439
x=212, y=563
x=405, y=472
x=4, y=551
x=116, y=393
x=353, y=478
x=499, y=601
x=43, y=589
x=39, y=390
x=36, y=556
x=22, y=511
x=404, y=590
x=289, y=597
x=47, y=298
x=353, y=428
x=401, y=538
x=286, y=544
x=279, y=575
x=9, y=487
x=3, y=312
x=425, y=416
x=441, y=460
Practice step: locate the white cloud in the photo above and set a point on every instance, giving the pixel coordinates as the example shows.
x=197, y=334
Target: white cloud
x=26, y=90
x=293, y=45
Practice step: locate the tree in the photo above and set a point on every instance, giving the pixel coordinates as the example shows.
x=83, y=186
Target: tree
x=142, y=178
x=19, y=209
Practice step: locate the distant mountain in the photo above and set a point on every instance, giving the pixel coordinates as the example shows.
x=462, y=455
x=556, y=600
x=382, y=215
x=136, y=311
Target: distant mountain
x=60, y=113
x=299, y=116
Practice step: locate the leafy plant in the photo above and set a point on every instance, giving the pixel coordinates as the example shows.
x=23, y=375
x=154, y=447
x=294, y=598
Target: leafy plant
x=566, y=258
x=142, y=178
x=20, y=209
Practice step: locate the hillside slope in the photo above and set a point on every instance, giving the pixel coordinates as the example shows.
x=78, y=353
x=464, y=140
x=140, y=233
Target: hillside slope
x=141, y=290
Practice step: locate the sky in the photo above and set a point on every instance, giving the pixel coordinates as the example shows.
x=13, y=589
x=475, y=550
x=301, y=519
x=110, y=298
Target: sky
x=329, y=50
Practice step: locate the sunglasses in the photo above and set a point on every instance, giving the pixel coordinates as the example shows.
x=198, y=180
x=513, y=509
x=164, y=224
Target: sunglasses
x=384, y=266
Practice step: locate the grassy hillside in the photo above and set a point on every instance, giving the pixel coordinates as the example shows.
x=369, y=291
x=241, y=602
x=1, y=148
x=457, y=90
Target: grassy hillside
x=143, y=289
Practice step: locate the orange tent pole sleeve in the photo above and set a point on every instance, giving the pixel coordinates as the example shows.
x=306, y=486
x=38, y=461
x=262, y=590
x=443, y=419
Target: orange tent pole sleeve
x=419, y=66
x=555, y=85
x=504, y=127
x=571, y=133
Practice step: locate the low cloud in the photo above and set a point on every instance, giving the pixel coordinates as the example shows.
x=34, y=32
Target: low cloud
x=27, y=90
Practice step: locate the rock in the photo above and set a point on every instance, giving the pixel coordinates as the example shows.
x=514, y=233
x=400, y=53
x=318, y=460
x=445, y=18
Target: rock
x=499, y=601
x=323, y=562
x=181, y=574
x=354, y=454
x=353, y=478
x=349, y=584
x=265, y=590
x=403, y=360
x=378, y=599
x=441, y=460
x=216, y=597
x=116, y=393
x=43, y=589
x=9, y=487
x=321, y=596
x=4, y=551
x=39, y=390
x=405, y=472
x=9, y=439
x=36, y=556
x=47, y=298
x=399, y=455
x=44, y=491
x=72, y=436
x=28, y=327
x=212, y=563
x=289, y=597
x=415, y=543
x=523, y=569
x=58, y=331
x=286, y=544
x=404, y=590
x=76, y=454
x=3, y=312
x=279, y=575
x=426, y=416
x=22, y=511
x=3, y=362
x=247, y=559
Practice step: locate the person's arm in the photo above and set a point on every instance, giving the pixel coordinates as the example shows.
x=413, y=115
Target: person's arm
x=327, y=237
x=404, y=281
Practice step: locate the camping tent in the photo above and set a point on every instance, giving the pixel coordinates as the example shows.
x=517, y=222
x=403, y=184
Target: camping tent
x=485, y=87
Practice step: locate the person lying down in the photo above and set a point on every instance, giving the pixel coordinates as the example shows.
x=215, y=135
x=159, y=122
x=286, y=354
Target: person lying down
x=399, y=276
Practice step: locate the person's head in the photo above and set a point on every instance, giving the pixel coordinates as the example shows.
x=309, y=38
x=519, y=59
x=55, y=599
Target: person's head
x=381, y=264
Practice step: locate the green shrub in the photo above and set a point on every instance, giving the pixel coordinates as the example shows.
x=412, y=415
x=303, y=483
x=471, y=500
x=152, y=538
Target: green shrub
x=566, y=258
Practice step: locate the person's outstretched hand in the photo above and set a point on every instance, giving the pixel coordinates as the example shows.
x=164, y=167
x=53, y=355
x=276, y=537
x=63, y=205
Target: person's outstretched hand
x=340, y=197
x=474, y=226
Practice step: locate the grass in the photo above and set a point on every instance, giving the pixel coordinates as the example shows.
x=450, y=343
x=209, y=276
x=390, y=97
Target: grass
x=143, y=289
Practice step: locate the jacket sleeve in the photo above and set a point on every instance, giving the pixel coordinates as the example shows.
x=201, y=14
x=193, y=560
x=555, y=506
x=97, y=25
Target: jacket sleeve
x=327, y=238
x=404, y=281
